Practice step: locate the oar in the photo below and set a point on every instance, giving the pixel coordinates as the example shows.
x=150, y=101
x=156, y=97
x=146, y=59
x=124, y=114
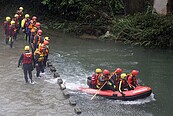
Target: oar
x=98, y=90
x=102, y=86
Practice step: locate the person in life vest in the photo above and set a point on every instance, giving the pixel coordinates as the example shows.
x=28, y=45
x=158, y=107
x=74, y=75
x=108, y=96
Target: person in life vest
x=37, y=39
x=34, y=28
x=12, y=33
x=46, y=52
x=94, y=78
x=39, y=58
x=131, y=79
x=7, y=28
x=123, y=84
x=16, y=19
x=27, y=59
x=25, y=27
x=105, y=82
x=116, y=77
x=20, y=15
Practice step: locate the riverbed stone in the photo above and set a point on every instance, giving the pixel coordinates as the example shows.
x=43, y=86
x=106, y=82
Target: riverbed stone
x=66, y=94
x=77, y=110
x=55, y=75
x=52, y=69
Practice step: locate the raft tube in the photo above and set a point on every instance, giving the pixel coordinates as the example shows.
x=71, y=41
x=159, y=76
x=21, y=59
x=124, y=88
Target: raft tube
x=138, y=93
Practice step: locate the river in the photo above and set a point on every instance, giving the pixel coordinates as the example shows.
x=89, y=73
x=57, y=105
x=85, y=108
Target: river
x=76, y=59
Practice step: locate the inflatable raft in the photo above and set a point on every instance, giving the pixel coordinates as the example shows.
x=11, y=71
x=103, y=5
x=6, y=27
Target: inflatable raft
x=138, y=93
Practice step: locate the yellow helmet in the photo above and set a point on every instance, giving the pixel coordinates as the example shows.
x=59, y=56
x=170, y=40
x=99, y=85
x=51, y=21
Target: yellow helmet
x=98, y=70
x=46, y=38
x=20, y=8
x=16, y=15
x=8, y=18
x=26, y=15
x=12, y=22
x=123, y=75
x=26, y=48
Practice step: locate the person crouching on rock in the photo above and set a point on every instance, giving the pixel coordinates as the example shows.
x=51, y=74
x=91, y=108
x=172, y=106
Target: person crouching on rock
x=27, y=60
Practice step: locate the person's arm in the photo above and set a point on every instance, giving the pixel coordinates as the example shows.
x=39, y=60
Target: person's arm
x=119, y=87
x=20, y=60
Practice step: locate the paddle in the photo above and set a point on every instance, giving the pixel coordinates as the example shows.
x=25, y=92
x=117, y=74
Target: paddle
x=101, y=87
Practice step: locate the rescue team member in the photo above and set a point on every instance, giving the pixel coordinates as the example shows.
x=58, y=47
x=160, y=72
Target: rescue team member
x=25, y=24
x=46, y=52
x=123, y=84
x=27, y=60
x=116, y=77
x=37, y=39
x=105, y=78
x=20, y=15
x=39, y=58
x=131, y=79
x=6, y=29
x=16, y=19
x=94, y=78
x=32, y=28
x=12, y=33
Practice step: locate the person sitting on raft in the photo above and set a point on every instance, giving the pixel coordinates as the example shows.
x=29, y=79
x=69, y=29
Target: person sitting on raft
x=94, y=78
x=104, y=82
x=123, y=84
x=131, y=79
x=116, y=77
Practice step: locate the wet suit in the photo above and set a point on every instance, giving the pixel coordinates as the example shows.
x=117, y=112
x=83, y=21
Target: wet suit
x=27, y=59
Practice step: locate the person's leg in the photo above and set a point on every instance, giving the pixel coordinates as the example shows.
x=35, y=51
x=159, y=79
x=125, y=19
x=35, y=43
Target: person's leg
x=25, y=74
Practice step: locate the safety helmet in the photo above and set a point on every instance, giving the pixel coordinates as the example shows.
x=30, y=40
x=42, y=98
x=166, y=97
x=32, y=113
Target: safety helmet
x=39, y=32
x=118, y=70
x=26, y=15
x=98, y=70
x=37, y=24
x=41, y=48
x=8, y=18
x=123, y=75
x=46, y=38
x=26, y=48
x=20, y=8
x=135, y=72
x=12, y=22
x=34, y=18
x=16, y=15
x=45, y=42
x=106, y=72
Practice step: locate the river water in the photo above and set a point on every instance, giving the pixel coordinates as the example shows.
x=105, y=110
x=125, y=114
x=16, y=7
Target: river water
x=75, y=59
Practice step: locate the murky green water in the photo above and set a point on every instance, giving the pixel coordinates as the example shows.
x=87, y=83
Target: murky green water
x=76, y=59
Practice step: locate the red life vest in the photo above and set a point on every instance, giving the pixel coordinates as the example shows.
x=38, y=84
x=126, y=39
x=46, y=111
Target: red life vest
x=27, y=58
x=132, y=80
x=94, y=79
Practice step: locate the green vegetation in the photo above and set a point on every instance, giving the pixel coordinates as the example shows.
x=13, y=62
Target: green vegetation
x=96, y=17
x=145, y=29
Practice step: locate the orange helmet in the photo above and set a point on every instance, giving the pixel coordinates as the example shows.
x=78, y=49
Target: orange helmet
x=34, y=18
x=39, y=32
x=37, y=24
x=118, y=70
x=45, y=42
x=106, y=72
x=135, y=72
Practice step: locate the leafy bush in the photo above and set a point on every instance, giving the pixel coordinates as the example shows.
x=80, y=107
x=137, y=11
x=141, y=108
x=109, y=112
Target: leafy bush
x=145, y=29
